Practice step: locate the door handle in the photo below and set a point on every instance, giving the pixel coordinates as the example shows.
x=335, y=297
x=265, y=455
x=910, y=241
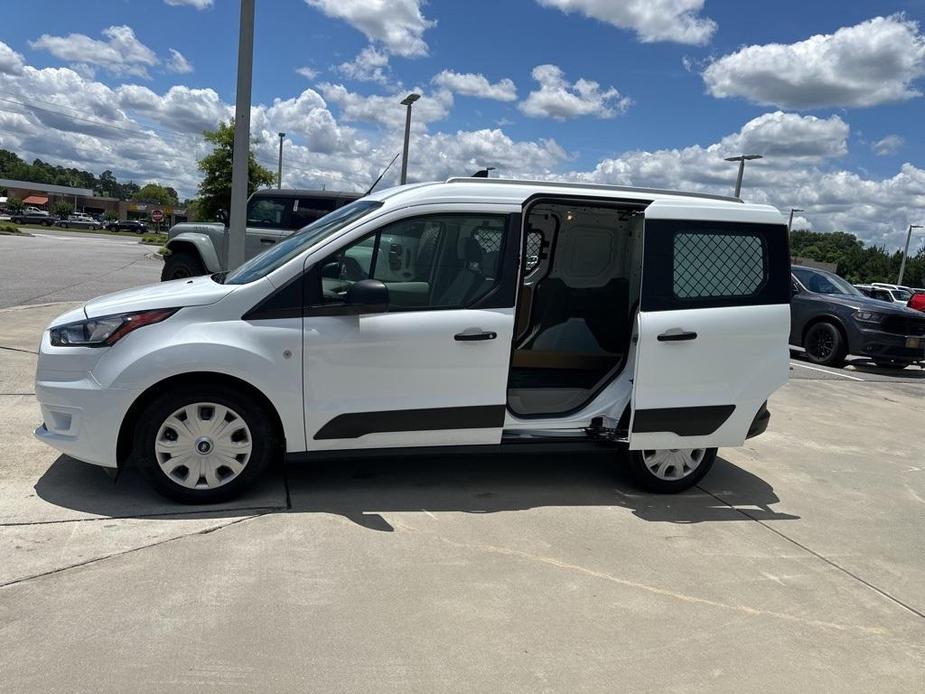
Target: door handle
x=677, y=335
x=474, y=335
x=268, y=241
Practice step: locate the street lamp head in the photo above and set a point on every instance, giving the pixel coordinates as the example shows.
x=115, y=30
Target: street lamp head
x=410, y=99
x=282, y=135
x=745, y=157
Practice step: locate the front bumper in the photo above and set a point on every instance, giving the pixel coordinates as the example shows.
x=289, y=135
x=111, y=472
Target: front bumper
x=882, y=345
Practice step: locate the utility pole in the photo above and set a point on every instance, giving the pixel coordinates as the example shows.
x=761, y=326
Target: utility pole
x=279, y=175
x=742, y=159
x=407, y=101
x=790, y=223
x=902, y=267
x=242, y=131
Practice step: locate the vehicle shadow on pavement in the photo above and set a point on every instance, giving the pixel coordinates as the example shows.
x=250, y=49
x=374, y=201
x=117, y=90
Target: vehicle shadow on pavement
x=362, y=491
x=85, y=488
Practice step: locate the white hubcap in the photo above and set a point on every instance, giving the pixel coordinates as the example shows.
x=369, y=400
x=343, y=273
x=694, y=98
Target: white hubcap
x=203, y=445
x=673, y=463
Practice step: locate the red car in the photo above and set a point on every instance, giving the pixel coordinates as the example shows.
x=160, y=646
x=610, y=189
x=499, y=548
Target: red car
x=917, y=302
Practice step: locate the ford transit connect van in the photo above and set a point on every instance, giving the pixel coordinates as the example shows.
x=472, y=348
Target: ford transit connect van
x=472, y=313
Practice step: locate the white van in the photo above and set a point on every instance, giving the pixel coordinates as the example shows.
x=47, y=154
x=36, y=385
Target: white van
x=472, y=313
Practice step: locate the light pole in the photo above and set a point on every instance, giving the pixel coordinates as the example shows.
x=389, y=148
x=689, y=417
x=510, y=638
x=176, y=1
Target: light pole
x=242, y=131
x=742, y=158
x=790, y=223
x=279, y=175
x=407, y=101
x=902, y=267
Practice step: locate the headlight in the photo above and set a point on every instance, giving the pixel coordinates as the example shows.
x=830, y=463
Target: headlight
x=107, y=330
x=868, y=316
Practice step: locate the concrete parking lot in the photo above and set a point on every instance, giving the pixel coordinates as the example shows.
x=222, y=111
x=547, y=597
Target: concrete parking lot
x=797, y=564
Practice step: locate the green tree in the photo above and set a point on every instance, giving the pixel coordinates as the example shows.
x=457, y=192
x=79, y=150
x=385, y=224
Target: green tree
x=62, y=209
x=110, y=216
x=165, y=196
x=215, y=188
x=15, y=205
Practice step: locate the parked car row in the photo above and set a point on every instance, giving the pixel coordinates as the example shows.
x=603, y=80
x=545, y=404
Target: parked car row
x=78, y=220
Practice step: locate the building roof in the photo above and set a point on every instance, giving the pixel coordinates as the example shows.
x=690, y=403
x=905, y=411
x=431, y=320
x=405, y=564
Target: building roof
x=45, y=188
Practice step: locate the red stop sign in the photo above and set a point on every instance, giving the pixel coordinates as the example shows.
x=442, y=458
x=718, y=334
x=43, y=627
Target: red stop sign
x=157, y=216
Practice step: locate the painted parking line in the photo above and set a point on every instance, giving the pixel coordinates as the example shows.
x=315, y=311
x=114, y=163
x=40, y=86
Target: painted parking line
x=825, y=371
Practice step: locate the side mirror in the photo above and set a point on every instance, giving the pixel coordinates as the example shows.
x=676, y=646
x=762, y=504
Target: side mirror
x=368, y=296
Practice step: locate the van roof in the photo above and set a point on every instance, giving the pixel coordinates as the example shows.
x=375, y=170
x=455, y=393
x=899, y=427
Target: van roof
x=511, y=191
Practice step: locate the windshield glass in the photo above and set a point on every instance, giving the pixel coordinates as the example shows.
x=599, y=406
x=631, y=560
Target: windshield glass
x=901, y=295
x=263, y=264
x=824, y=282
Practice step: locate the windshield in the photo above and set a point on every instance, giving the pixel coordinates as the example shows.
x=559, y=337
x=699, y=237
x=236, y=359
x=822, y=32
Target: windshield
x=263, y=264
x=824, y=282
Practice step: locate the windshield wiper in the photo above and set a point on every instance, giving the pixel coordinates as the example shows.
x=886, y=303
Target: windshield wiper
x=219, y=277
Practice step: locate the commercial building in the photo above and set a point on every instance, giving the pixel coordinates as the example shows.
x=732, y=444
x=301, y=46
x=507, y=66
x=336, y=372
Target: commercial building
x=45, y=195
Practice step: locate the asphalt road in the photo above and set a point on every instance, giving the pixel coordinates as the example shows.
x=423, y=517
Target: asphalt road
x=68, y=266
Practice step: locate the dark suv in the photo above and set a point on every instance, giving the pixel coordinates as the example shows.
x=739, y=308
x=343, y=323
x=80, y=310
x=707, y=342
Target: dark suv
x=830, y=319
x=128, y=225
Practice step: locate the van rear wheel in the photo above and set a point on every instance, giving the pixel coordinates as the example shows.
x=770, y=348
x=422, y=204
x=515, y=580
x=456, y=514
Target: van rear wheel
x=671, y=470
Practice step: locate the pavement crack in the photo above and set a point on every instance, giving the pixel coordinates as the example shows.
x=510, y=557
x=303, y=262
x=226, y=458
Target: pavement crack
x=835, y=565
x=258, y=510
x=17, y=349
x=204, y=531
x=664, y=592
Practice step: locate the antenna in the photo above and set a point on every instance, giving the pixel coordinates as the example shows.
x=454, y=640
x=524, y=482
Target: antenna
x=384, y=171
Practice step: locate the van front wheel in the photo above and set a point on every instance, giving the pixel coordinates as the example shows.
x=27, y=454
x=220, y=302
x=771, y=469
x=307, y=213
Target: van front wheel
x=671, y=470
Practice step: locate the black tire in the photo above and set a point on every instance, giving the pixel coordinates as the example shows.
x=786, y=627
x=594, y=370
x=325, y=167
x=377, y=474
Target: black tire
x=649, y=481
x=263, y=439
x=825, y=344
x=16, y=220
x=181, y=264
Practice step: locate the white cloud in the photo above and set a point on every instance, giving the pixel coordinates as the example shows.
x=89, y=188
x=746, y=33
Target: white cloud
x=556, y=98
x=890, y=144
x=476, y=84
x=11, y=62
x=652, y=20
x=386, y=110
x=398, y=25
x=198, y=4
x=180, y=109
x=370, y=65
x=178, y=63
x=307, y=72
x=788, y=136
x=121, y=54
x=871, y=63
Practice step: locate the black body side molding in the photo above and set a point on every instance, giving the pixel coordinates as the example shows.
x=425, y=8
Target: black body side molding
x=683, y=421
x=760, y=422
x=357, y=424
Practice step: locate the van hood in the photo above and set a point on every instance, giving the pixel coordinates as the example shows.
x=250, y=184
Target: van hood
x=195, y=291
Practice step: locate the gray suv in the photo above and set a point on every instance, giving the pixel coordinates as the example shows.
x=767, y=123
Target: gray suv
x=830, y=319
x=198, y=248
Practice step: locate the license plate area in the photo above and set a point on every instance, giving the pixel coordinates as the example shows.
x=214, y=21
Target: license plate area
x=913, y=342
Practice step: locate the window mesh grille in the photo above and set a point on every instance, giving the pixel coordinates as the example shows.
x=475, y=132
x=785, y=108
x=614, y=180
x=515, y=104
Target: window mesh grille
x=534, y=246
x=717, y=265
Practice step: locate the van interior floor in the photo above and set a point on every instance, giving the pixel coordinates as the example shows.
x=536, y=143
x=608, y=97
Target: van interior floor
x=577, y=303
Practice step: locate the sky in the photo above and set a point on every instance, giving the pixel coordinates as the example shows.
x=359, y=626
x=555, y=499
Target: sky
x=633, y=92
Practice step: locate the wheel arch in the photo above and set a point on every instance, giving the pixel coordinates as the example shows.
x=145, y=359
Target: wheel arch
x=824, y=318
x=127, y=428
x=199, y=244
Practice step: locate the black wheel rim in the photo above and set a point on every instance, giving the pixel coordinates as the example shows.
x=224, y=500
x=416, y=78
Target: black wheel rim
x=821, y=343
